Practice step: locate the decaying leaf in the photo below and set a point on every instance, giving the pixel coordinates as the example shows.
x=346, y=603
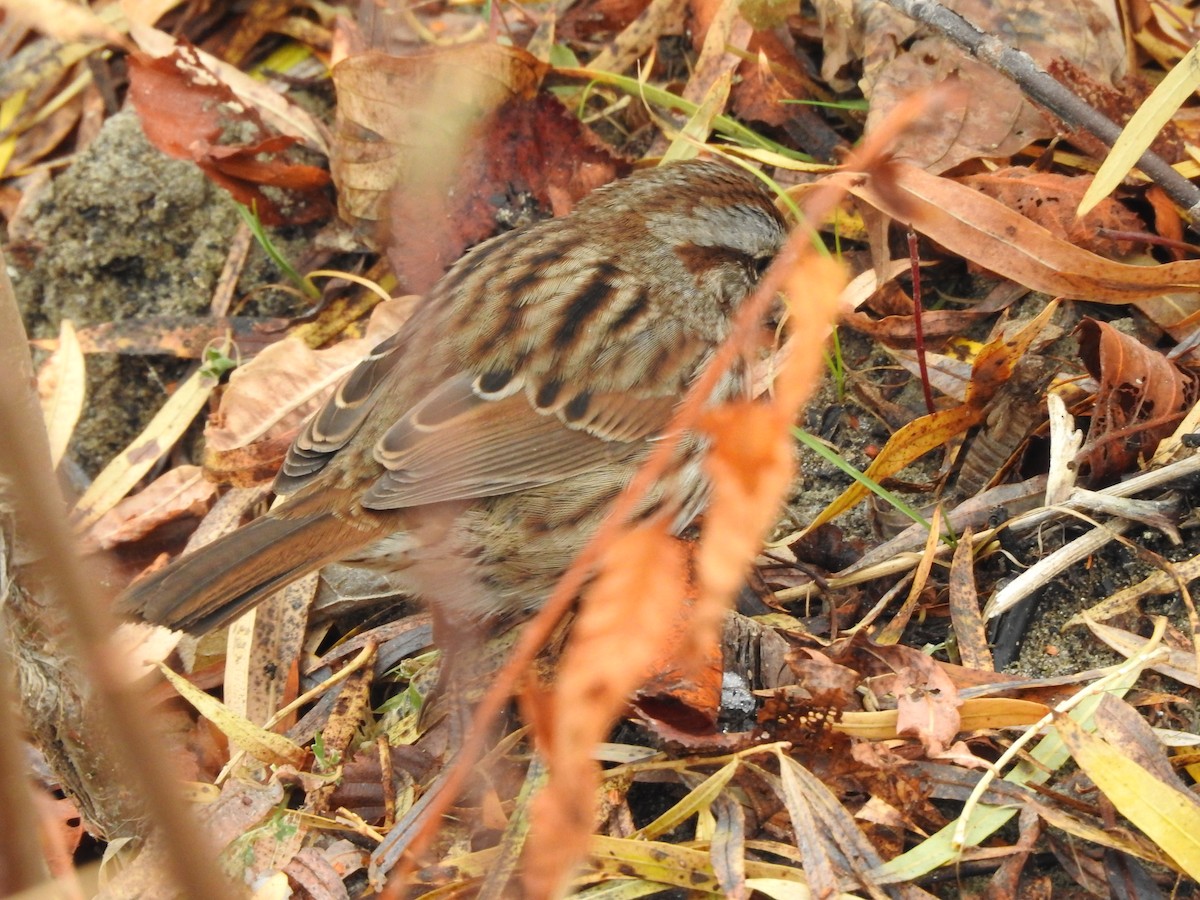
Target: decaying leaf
x=1051, y=199
x=1141, y=399
x=189, y=113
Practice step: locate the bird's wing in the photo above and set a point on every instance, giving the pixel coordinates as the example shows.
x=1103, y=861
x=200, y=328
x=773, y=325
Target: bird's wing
x=458, y=445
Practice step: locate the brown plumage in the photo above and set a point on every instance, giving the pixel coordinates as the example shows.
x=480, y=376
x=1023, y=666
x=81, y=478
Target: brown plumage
x=474, y=452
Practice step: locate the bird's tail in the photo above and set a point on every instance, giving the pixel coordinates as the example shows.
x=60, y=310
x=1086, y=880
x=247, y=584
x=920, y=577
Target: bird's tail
x=214, y=585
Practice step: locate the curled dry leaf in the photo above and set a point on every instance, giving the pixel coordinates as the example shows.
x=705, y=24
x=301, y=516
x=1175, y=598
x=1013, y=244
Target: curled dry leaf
x=1142, y=397
x=189, y=113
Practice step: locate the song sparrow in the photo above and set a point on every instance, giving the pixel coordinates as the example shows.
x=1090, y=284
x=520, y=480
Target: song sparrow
x=473, y=453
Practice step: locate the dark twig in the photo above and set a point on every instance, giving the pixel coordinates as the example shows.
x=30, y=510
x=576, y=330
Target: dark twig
x=914, y=256
x=1044, y=90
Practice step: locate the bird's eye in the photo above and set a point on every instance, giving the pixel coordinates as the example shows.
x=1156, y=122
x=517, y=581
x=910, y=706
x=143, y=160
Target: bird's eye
x=760, y=265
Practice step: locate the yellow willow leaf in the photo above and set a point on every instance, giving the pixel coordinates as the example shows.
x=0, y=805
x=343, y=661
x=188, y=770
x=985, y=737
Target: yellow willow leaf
x=1168, y=816
x=1143, y=127
x=701, y=797
x=977, y=714
x=263, y=745
x=907, y=445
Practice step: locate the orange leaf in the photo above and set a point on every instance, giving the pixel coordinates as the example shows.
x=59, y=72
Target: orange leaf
x=624, y=621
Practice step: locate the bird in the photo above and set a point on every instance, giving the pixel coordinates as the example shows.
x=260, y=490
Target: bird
x=471, y=454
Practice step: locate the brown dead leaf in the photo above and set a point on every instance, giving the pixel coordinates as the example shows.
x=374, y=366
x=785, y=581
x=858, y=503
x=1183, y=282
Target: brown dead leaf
x=1013, y=414
x=994, y=119
x=403, y=127
x=1142, y=397
x=1178, y=314
x=189, y=113
x=900, y=331
x=321, y=871
x=179, y=493
x=1127, y=731
x=926, y=700
x=1050, y=199
x=533, y=152
x=1167, y=221
x=767, y=90
x=1003, y=241
x=965, y=616
x=268, y=398
x=263, y=651
x=433, y=151
x=591, y=20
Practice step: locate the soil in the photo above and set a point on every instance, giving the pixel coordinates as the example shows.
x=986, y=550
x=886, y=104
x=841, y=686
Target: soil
x=123, y=232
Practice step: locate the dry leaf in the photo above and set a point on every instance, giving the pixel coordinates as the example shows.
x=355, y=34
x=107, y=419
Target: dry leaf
x=1142, y=396
x=62, y=386
x=1051, y=199
x=993, y=118
x=179, y=493
x=965, y=616
x=268, y=398
x=1003, y=241
x=623, y=624
x=187, y=112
